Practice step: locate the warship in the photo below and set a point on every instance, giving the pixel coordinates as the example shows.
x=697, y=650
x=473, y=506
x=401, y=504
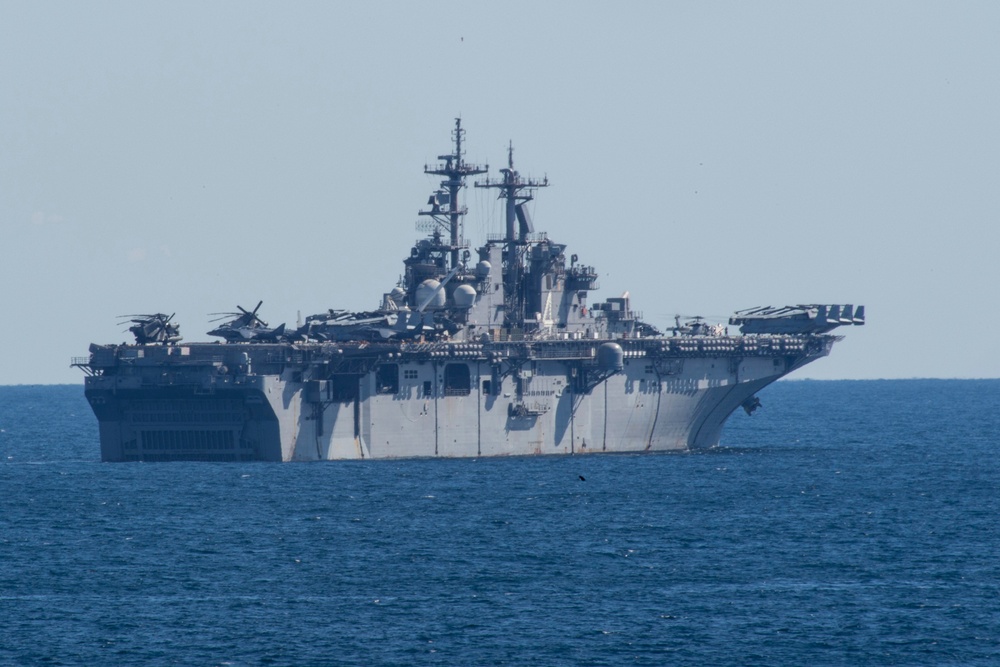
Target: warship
x=500, y=353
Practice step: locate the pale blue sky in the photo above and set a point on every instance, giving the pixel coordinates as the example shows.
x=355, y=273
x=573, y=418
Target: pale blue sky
x=706, y=156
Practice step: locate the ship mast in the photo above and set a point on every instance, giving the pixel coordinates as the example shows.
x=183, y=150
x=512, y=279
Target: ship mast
x=517, y=192
x=454, y=169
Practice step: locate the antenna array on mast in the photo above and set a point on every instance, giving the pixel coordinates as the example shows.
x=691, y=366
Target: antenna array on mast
x=454, y=168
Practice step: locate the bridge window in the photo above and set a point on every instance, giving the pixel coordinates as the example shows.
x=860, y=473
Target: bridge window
x=457, y=380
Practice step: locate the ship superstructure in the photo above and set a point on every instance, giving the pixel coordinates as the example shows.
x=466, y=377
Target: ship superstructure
x=501, y=354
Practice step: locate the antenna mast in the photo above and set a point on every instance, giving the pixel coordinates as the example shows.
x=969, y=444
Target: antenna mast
x=454, y=169
x=517, y=191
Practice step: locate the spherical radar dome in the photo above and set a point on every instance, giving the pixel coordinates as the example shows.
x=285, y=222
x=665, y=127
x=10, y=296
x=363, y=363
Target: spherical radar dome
x=465, y=296
x=610, y=357
x=429, y=289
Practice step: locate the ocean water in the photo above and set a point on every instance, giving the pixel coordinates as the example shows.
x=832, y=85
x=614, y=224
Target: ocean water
x=845, y=523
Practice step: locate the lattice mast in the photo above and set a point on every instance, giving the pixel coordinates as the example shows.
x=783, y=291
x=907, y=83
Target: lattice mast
x=454, y=169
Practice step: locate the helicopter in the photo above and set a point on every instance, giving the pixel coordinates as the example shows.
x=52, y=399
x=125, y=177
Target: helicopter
x=155, y=328
x=695, y=326
x=245, y=326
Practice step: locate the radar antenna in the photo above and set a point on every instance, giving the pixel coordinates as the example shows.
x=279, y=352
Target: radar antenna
x=518, y=191
x=454, y=168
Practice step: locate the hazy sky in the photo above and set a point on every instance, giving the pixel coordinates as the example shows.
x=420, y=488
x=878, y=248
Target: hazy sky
x=705, y=156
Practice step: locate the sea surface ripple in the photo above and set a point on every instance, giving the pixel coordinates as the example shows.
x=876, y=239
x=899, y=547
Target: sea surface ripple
x=845, y=523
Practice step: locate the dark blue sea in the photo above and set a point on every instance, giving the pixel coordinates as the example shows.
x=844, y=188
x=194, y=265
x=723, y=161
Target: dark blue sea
x=845, y=523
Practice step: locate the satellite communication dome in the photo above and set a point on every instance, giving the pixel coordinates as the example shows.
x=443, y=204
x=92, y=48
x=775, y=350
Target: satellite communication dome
x=465, y=296
x=428, y=288
x=483, y=269
x=610, y=357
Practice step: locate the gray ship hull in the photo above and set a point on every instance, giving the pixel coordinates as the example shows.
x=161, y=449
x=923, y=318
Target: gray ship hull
x=191, y=405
